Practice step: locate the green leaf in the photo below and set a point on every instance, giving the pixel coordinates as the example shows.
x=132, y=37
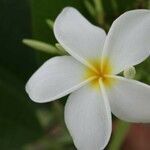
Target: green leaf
x=18, y=123
x=13, y=28
x=90, y=8
x=99, y=11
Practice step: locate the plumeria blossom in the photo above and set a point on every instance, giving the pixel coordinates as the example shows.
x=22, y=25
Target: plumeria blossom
x=90, y=75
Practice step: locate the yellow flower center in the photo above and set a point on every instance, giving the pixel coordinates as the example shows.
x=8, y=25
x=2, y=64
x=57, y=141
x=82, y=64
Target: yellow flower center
x=102, y=71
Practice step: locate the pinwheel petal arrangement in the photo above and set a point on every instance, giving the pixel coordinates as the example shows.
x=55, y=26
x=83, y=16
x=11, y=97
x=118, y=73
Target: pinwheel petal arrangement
x=90, y=74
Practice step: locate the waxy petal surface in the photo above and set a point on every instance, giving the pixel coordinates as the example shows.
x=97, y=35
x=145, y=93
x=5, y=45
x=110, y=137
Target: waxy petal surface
x=88, y=118
x=79, y=37
x=128, y=41
x=130, y=100
x=56, y=78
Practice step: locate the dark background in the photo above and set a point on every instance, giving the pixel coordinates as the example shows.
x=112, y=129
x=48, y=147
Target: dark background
x=25, y=125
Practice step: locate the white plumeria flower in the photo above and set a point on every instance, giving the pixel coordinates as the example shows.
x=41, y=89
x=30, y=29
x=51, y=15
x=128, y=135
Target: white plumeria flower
x=90, y=75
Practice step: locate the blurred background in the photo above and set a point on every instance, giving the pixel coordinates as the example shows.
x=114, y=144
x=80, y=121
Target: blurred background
x=25, y=125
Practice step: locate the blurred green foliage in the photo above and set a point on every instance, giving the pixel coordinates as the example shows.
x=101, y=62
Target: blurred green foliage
x=25, y=125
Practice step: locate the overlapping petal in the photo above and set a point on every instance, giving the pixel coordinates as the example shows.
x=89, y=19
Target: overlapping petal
x=87, y=111
x=79, y=37
x=128, y=41
x=88, y=118
x=130, y=100
x=56, y=78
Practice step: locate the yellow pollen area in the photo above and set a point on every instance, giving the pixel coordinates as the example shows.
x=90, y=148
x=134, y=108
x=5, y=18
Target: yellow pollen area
x=102, y=70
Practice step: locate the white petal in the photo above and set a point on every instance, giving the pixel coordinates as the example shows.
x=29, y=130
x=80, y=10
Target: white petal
x=56, y=78
x=128, y=41
x=79, y=37
x=88, y=118
x=130, y=100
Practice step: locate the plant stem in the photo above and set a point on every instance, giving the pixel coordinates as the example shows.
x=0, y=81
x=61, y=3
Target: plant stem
x=120, y=133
